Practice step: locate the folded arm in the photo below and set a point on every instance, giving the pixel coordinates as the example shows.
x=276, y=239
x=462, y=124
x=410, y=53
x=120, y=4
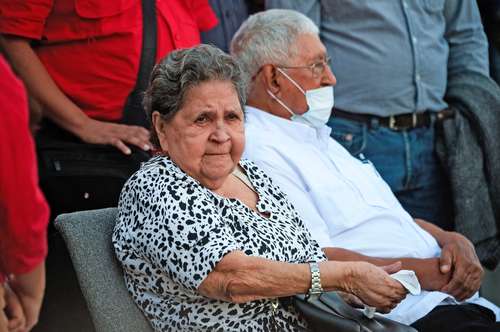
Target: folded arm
x=427, y=270
x=457, y=272
x=459, y=258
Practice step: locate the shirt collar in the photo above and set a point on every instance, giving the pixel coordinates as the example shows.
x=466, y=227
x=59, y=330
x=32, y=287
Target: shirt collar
x=295, y=130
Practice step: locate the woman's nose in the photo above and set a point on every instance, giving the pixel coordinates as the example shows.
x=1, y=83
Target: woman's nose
x=220, y=134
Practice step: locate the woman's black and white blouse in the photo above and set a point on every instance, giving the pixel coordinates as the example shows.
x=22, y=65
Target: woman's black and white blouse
x=171, y=232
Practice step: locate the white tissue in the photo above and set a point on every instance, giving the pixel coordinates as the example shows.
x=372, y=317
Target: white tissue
x=408, y=279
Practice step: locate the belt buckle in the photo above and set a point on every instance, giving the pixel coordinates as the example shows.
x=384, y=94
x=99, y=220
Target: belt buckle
x=393, y=126
x=392, y=123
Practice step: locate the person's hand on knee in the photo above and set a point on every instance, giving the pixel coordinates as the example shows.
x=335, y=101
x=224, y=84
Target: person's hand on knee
x=459, y=256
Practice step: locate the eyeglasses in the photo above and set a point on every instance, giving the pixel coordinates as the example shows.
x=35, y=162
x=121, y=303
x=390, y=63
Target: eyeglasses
x=317, y=68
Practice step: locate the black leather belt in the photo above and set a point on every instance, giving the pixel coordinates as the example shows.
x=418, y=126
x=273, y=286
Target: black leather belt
x=396, y=122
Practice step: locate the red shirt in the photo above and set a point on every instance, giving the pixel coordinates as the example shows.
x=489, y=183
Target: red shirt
x=91, y=48
x=24, y=212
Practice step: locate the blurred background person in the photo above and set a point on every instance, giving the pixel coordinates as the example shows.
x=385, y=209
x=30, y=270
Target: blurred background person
x=81, y=60
x=24, y=213
x=490, y=14
x=230, y=15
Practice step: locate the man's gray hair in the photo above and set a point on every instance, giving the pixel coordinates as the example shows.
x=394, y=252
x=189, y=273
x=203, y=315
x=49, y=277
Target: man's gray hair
x=269, y=37
x=184, y=69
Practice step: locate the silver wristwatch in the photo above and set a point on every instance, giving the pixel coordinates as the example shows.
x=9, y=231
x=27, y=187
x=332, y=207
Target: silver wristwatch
x=316, y=288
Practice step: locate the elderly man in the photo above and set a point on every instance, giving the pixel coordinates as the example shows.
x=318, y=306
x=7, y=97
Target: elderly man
x=343, y=200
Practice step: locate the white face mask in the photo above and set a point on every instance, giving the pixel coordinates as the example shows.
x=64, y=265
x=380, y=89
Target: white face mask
x=319, y=102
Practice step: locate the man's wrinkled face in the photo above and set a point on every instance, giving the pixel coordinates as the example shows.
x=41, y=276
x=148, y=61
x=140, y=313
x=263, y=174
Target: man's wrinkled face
x=311, y=51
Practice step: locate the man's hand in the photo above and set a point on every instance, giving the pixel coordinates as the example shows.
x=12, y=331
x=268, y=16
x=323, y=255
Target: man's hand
x=118, y=135
x=459, y=256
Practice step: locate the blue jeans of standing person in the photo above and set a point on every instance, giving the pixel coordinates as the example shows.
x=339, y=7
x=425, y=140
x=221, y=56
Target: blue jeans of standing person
x=406, y=161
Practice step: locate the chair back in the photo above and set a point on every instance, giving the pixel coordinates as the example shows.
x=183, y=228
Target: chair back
x=87, y=235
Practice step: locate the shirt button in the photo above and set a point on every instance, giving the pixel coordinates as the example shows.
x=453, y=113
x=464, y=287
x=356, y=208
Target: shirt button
x=417, y=77
x=177, y=37
x=414, y=39
x=405, y=4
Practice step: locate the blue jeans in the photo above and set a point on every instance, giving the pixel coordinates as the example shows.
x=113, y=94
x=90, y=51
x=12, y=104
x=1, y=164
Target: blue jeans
x=406, y=161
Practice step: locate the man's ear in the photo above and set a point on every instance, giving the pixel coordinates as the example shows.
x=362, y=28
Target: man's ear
x=159, y=126
x=270, y=77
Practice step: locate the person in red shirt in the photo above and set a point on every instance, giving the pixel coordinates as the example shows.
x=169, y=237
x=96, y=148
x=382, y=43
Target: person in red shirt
x=80, y=60
x=86, y=58
x=24, y=212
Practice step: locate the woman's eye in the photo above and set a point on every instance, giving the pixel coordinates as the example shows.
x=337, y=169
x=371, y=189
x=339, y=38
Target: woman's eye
x=201, y=119
x=233, y=116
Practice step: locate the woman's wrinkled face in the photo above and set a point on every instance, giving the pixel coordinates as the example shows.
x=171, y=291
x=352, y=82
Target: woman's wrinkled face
x=206, y=137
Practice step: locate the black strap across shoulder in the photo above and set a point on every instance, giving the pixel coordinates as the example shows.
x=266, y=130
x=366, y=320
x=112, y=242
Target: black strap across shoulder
x=133, y=113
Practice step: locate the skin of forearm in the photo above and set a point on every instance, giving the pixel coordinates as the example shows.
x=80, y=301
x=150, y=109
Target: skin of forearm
x=427, y=270
x=56, y=105
x=239, y=278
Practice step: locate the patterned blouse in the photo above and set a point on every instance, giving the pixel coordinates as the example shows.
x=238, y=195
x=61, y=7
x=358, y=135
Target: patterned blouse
x=171, y=232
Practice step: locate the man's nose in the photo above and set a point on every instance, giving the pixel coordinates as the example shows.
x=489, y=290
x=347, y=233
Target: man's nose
x=328, y=77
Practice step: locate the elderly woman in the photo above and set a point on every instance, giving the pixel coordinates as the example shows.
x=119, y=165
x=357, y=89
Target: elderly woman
x=206, y=240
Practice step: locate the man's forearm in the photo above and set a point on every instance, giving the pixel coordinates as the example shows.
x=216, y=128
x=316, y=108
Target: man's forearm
x=56, y=105
x=427, y=270
x=435, y=231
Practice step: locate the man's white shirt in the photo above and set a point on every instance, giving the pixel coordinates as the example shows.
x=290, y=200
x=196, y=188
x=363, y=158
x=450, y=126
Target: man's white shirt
x=343, y=201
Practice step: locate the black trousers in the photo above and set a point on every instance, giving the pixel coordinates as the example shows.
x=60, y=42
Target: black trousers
x=458, y=318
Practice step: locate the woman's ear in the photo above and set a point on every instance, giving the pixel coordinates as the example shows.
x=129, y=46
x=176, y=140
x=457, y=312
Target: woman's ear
x=159, y=126
x=270, y=77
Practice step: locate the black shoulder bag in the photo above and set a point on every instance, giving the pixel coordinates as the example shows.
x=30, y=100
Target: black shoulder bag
x=329, y=312
x=78, y=176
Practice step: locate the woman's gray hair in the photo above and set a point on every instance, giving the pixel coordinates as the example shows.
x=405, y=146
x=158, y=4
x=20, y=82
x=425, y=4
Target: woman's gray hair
x=183, y=69
x=269, y=38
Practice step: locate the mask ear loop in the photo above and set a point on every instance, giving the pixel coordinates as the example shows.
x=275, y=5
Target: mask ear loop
x=291, y=80
x=280, y=102
x=296, y=116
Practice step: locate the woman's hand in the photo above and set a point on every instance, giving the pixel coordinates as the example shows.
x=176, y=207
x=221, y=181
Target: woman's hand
x=373, y=285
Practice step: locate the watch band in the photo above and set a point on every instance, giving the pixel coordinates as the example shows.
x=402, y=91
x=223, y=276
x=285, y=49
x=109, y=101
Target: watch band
x=316, y=288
